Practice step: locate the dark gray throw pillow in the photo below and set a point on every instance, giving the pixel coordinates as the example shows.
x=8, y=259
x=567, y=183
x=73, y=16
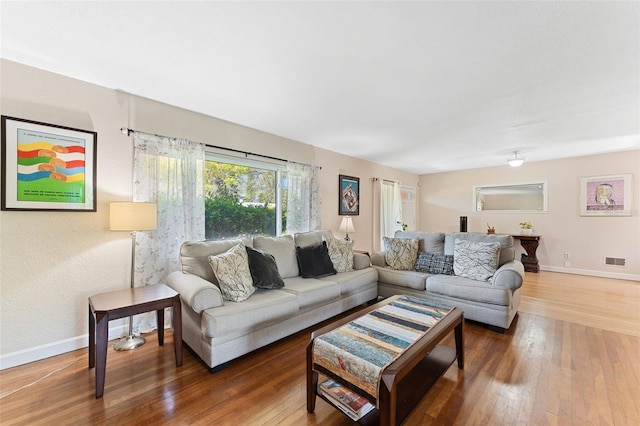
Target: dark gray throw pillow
x=264, y=270
x=434, y=263
x=314, y=261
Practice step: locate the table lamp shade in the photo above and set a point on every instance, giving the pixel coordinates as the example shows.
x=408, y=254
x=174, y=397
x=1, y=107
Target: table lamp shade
x=130, y=216
x=346, y=225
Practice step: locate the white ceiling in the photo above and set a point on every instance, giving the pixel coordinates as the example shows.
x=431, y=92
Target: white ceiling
x=419, y=86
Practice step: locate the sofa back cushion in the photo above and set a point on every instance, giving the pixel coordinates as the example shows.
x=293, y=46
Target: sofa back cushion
x=429, y=242
x=312, y=238
x=194, y=256
x=507, y=251
x=283, y=250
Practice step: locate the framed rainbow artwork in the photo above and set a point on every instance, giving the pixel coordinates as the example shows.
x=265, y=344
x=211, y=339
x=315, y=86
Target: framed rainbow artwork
x=47, y=167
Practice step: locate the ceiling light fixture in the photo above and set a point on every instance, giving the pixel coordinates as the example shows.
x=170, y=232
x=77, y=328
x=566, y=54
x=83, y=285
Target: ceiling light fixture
x=516, y=159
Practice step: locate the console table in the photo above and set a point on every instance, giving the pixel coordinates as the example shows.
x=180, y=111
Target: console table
x=530, y=244
x=124, y=303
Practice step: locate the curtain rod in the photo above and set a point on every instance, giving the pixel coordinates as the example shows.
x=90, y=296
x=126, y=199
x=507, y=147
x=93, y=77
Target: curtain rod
x=127, y=131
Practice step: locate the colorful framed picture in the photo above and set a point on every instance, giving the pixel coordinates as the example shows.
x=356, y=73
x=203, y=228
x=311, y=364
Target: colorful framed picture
x=47, y=167
x=606, y=195
x=348, y=195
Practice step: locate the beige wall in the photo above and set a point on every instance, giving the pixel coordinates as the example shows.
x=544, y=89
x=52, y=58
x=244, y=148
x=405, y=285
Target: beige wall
x=447, y=196
x=51, y=262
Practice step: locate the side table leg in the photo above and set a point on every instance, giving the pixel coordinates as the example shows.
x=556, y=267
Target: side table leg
x=160, y=321
x=177, y=329
x=101, y=352
x=92, y=339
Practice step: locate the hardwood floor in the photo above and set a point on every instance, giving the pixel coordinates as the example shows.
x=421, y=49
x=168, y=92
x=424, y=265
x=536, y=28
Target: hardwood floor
x=572, y=356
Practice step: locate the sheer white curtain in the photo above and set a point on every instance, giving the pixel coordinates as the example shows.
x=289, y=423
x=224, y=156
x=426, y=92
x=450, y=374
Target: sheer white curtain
x=390, y=208
x=304, y=203
x=169, y=172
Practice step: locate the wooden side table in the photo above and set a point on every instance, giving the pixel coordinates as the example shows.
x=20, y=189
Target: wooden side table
x=105, y=307
x=530, y=245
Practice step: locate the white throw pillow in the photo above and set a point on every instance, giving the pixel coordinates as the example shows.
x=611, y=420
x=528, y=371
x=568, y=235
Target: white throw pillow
x=341, y=254
x=475, y=260
x=401, y=253
x=231, y=269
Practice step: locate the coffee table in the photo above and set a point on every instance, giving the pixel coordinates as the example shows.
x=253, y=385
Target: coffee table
x=404, y=381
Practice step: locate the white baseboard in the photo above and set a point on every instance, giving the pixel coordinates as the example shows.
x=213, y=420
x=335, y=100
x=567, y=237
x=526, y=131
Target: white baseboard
x=589, y=272
x=56, y=348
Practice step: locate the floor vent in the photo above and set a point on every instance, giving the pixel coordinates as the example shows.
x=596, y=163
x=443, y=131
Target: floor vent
x=615, y=261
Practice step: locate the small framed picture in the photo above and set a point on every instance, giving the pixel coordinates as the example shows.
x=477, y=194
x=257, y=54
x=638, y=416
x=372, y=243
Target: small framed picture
x=348, y=195
x=47, y=167
x=605, y=195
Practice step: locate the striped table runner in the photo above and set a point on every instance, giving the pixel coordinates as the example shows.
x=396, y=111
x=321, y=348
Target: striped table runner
x=359, y=350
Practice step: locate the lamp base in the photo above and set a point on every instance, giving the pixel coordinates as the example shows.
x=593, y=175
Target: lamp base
x=128, y=343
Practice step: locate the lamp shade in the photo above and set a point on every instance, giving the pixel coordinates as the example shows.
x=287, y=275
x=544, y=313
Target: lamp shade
x=130, y=216
x=346, y=225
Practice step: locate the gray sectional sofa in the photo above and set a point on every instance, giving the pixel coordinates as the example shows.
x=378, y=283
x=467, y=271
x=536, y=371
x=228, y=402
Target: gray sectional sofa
x=220, y=330
x=493, y=301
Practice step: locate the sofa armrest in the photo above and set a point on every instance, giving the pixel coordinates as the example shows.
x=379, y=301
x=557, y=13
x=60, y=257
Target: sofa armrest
x=378, y=259
x=196, y=292
x=361, y=261
x=510, y=275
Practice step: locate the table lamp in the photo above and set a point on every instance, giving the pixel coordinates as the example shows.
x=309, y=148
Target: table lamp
x=132, y=217
x=346, y=226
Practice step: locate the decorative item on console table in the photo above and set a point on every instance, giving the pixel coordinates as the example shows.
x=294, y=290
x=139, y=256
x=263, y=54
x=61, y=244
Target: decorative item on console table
x=526, y=228
x=490, y=229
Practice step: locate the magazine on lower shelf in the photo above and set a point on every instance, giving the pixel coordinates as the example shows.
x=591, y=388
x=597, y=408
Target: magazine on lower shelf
x=349, y=402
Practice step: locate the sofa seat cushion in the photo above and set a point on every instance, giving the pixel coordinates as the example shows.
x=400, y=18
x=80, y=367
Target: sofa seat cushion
x=312, y=291
x=353, y=281
x=468, y=289
x=410, y=279
x=264, y=307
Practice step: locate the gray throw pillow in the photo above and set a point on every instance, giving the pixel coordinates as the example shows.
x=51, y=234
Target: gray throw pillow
x=314, y=261
x=475, y=260
x=434, y=263
x=264, y=270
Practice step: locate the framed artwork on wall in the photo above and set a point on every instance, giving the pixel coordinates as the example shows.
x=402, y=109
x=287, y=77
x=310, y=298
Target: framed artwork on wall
x=348, y=195
x=605, y=195
x=47, y=167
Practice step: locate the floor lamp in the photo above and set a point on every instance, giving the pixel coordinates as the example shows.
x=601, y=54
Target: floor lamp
x=132, y=217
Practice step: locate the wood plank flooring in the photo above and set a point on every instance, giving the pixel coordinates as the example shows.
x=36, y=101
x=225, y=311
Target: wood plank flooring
x=572, y=357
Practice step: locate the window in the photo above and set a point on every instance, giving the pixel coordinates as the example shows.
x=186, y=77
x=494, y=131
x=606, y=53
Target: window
x=243, y=197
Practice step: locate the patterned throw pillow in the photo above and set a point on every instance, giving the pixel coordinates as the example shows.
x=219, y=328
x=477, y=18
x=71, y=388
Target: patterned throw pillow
x=434, y=263
x=231, y=268
x=341, y=254
x=401, y=253
x=475, y=260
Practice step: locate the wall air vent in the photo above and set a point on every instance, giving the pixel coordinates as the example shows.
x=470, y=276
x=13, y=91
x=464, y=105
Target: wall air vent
x=615, y=261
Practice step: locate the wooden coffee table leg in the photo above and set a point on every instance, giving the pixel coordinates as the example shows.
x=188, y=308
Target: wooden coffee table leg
x=312, y=380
